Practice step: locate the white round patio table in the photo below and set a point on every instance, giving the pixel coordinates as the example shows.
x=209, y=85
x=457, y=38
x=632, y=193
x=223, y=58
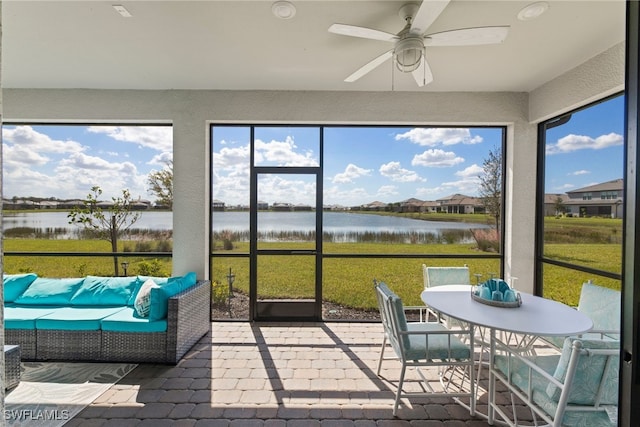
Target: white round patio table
x=536, y=316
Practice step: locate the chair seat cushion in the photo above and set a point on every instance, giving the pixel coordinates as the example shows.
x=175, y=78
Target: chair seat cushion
x=127, y=320
x=434, y=345
x=76, y=318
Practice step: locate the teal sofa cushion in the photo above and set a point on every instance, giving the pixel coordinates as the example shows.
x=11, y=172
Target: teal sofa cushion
x=24, y=317
x=97, y=290
x=16, y=284
x=160, y=296
x=76, y=318
x=50, y=291
x=128, y=321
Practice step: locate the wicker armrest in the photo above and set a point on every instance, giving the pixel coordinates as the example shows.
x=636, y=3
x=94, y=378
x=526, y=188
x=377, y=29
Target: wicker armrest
x=188, y=319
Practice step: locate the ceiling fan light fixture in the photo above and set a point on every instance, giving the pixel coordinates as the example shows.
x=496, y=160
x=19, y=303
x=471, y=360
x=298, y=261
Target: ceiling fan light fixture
x=408, y=54
x=533, y=11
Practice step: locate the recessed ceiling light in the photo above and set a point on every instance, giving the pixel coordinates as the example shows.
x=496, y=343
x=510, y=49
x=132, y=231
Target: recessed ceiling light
x=533, y=11
x=122, y=10
x=283, y=10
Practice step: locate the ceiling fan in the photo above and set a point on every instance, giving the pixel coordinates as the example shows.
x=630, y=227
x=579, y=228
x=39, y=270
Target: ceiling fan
x=408, y=52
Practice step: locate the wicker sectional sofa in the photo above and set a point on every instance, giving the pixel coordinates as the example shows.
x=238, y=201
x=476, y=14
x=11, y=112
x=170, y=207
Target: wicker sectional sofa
x=99, y=318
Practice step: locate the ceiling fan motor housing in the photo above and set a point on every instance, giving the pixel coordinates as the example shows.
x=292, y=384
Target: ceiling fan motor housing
x=408, y=53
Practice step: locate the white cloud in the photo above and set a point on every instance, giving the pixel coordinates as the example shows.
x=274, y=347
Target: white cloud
x=387, y=191
x=395, y=172
x=471, y=172
x=282, y=153
x=350, y=174
x=436, y=158
x=19, y=156
x=335, y=195
x=278, y=189
x=432, y=137
x=155, y=137
x=580, y=172
x=573, y=142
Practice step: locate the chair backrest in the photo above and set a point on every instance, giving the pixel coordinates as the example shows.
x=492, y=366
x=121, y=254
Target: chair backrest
x=392, y=316
x=595, y=381
x=439, y=276
x=602, y=305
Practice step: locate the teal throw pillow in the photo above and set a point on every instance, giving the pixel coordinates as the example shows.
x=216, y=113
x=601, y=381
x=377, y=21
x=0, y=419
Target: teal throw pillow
x=160, y=296
x=16, y=284
x=48, y=291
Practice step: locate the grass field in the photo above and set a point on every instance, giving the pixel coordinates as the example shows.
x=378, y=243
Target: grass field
x=346, y=281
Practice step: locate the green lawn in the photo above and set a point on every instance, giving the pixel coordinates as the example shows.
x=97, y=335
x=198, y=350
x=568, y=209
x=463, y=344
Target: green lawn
x=347, y=281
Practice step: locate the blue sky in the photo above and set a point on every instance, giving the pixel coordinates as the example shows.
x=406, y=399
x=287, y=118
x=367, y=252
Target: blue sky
x=361, y=164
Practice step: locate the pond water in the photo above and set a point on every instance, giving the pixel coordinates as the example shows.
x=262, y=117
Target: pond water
x=56, y=224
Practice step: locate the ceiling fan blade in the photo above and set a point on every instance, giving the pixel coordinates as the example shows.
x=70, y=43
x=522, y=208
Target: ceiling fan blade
x=427, y=14
x=370, y=66
x=422, y=75
x=468, y=36
x=363, y=32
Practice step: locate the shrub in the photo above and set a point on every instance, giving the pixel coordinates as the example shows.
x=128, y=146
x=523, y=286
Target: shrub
x=151, y=268
x=487, y=239
x=164, y=246
x=219, y=293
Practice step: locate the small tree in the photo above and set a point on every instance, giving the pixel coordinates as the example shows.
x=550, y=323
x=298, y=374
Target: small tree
x=106, y=224
x=559, y=205
x=491, y=184
x=161, y=184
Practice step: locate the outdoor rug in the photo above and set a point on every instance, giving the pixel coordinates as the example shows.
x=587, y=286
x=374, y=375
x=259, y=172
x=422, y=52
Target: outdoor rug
x=51, y=393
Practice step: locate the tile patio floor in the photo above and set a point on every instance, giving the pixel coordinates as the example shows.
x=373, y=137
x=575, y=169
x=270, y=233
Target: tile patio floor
x=274, y=374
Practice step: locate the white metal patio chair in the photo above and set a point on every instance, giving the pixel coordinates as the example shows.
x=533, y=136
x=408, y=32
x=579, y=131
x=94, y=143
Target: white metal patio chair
x=603, y=306
x=578, y=387
x=427, y=345
x=441, y=276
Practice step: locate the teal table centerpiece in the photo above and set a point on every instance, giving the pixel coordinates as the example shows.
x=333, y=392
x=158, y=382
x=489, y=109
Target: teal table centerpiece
x=496, y=292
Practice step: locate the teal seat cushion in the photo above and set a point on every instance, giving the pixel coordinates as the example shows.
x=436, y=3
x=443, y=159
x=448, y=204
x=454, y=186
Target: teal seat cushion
x=434, y=346
x=76, y=318
x=128, y=321
x=24, y=317
x=16, y=284
x=50, y=291
x=160, y=296
x=96, y=290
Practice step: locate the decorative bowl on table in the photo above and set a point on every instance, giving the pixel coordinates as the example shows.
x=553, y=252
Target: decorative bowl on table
x=496, y=292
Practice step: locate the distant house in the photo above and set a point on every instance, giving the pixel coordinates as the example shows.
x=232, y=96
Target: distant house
x=217, y=205
x=603, y=199
x=302, y=208
x=411, y=205
x=555, y=204
x=459, y=203
x=375, y=206
x=282, y=207
x=263, y=206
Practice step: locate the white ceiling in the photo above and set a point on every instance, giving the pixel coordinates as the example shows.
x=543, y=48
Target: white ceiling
x=240, y=45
